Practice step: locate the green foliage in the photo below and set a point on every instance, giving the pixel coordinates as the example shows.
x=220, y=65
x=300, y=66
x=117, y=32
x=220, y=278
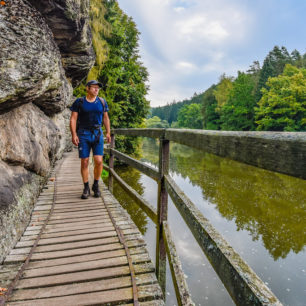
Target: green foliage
x=211, y=117
x=104, y=174
x=170, y=111
x=175, y=125
x=222, y=91
x=100, y=28
x=283, y=105
x=273, y=65
x=123, y=75
x=156, y=122
x=238, y=113
x=190, y=117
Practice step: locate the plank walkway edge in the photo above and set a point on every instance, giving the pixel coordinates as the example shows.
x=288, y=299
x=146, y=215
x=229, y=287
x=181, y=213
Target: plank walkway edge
x=79, y=259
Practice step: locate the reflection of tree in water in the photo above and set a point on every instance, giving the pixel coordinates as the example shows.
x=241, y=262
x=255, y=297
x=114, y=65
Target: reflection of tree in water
x=267, y=204
x=131, y=177
x=150, y=151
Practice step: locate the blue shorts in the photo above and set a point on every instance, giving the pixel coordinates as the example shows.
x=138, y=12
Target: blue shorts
x=89, y=140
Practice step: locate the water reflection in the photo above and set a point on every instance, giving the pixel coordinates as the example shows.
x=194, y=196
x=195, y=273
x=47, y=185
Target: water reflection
x=268, y=205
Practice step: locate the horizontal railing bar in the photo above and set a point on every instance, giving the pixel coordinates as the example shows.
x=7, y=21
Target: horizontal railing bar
x=106, y=167
x=178, y=275
x=140, y=201
x=149, y=171
x=283, y=152
x=152, y=133
x=245, y=287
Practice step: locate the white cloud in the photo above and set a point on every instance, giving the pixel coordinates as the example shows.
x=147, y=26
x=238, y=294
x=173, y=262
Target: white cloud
x=185, y=66
x=181, y=40
x=179, y=9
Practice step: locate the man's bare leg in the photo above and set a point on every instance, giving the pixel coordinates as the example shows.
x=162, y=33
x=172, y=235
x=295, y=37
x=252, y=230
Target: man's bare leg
x=85, y=169
x=98, y=160
x=85, y=175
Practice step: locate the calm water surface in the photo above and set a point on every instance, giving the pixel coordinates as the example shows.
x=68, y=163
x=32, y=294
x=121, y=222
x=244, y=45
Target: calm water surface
x=262, y=214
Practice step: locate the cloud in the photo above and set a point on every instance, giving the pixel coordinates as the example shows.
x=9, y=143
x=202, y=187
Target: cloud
x=187, y=45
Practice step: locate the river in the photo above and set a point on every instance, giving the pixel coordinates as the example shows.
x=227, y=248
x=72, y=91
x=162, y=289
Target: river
x=262, y=214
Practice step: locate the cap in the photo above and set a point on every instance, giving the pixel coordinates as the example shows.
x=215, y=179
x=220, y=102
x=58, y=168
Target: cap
x=93, y=82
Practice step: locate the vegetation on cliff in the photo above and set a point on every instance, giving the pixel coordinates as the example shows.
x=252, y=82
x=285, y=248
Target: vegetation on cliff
x=118, y=68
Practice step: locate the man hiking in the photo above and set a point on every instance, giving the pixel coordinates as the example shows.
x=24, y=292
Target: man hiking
x=87, y=117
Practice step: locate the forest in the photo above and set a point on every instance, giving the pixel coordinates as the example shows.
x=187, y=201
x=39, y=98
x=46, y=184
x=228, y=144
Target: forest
x=271, y=97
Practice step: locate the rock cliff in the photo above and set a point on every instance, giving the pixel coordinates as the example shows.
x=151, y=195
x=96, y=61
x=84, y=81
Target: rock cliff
x=46, y=49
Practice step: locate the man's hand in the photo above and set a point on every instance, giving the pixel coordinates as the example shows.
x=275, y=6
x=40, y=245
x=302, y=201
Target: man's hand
x=108, y=137
x=75, y=140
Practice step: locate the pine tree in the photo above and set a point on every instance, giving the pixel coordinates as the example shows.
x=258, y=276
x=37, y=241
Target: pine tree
x=273, y=66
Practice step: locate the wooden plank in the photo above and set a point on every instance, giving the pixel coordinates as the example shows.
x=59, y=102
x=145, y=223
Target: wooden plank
x=73, y=226
x=74, y=277
x=72, y=238
x=100, y=229
x=113, y=297
x=78, y=288
x=84, y=266
x=77, y=215
x=75, y=220
x=97, y=229
x=66, y=246
x=86, y=222
x=82, y=258
x=74, y=252
x=102, y=251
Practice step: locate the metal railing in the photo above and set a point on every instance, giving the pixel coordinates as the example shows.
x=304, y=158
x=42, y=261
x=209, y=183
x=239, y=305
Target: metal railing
x=243, y=285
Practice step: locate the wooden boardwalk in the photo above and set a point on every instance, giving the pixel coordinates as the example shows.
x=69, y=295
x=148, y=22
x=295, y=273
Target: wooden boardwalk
x=79, y=259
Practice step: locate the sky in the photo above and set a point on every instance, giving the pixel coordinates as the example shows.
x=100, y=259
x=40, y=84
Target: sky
x=186, y=45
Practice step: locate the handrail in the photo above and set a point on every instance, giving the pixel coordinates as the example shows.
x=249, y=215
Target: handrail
x=149, y=171
x=244, y=286
x=180, y=284
x=283, y=152
x=144, y=205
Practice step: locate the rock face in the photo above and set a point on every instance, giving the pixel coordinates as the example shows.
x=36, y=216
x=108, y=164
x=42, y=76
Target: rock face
x=45, y=47
x=69, y=22
x=31, y=68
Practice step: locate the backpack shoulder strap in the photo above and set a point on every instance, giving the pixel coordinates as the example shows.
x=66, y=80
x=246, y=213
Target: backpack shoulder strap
x=103, y=104
x=81, y=103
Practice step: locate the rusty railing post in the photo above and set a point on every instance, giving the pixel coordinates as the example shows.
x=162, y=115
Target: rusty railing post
x=162, y=213
x=111, y=163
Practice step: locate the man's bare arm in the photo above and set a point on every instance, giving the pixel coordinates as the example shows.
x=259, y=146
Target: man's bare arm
x=107, y=127
x=73, y=122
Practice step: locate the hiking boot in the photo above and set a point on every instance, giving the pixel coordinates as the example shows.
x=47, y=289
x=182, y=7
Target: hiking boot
x=86, y=193
x=97, y=192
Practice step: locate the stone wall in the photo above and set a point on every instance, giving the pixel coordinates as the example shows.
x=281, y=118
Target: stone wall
x=46, y=49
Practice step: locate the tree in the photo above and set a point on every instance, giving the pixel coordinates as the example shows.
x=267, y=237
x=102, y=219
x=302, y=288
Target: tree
x=209, y=104
x=283, y=105
x=222, y=91
x=238, y=113
x=297, y=59
x=123, y=75
x=190, y=116
x=273, y=66
x=156, y=122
